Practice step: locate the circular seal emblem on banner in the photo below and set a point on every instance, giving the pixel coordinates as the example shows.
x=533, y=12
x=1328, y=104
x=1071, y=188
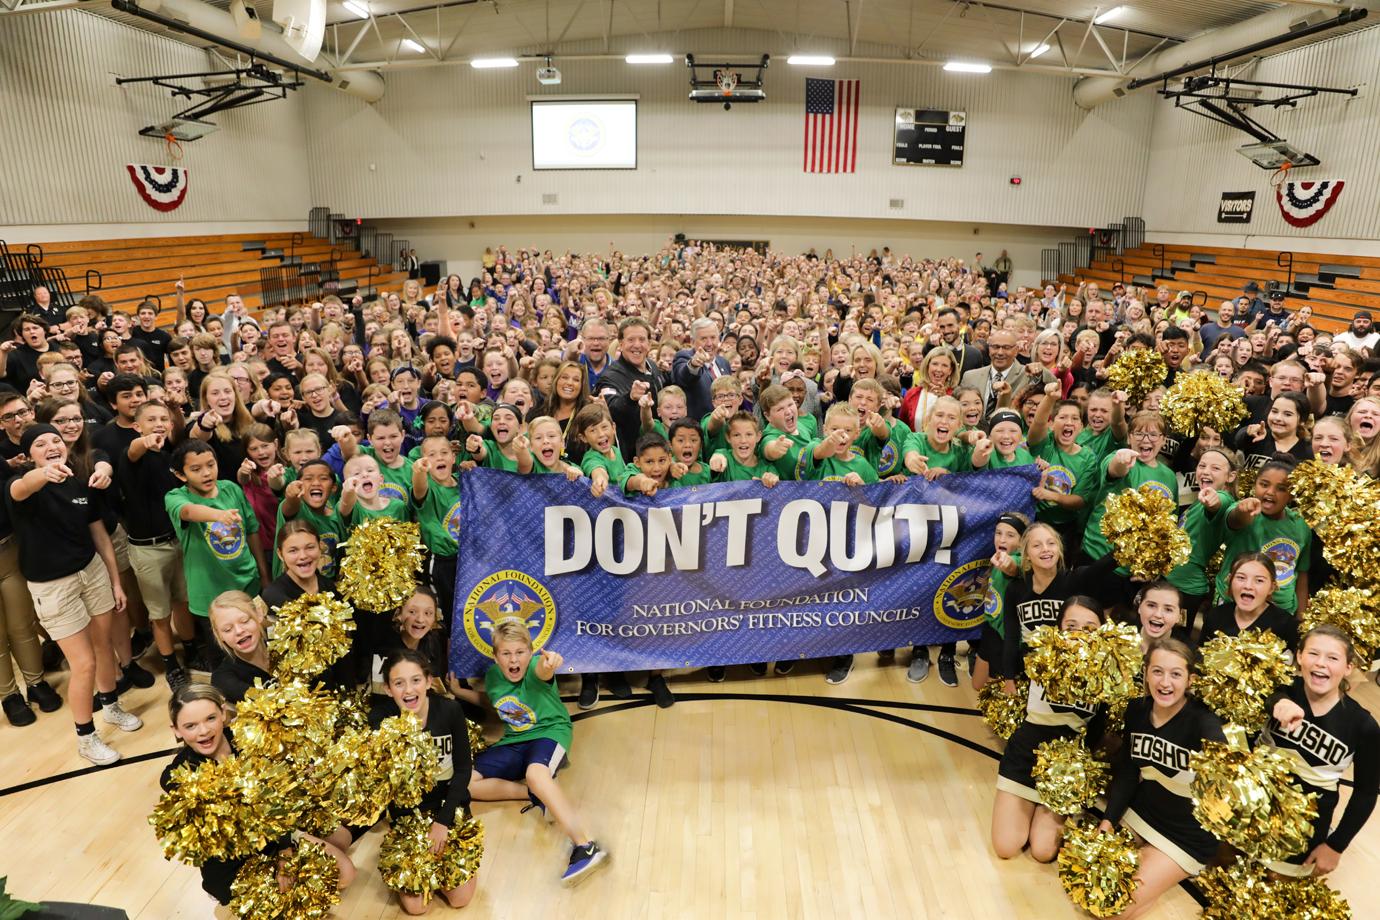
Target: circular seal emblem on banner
x=508, y=594
x=959, y=602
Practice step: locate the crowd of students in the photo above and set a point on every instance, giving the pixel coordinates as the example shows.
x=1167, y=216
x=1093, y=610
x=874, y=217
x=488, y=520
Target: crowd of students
x=168, y=490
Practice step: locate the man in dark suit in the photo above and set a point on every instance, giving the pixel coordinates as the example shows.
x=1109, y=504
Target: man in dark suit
x=950, y=331
x=1001, y=350
x=627, y=379
x=695, y=369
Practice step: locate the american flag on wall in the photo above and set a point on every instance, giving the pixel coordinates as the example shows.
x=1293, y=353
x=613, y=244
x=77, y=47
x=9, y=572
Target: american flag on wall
x=831, y=125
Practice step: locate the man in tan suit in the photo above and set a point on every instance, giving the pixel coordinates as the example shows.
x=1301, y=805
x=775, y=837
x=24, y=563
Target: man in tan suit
x=1001, y=351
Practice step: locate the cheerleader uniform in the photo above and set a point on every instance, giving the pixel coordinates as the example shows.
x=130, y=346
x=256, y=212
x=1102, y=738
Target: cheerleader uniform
x=1044, y=721
x=1321, y=748
x=1024, y=609
x=1151, y=777
x=1221, y=621
x=445, y=722
x=217, y=875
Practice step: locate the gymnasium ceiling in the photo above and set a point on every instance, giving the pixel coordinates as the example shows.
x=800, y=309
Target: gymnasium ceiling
x=411, y=33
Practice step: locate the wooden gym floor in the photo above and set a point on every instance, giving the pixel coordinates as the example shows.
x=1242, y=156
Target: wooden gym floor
x=753, y=798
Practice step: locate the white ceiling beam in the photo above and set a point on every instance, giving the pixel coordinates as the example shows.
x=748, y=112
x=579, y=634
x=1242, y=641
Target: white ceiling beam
x=728, y=14
x=1111, y=58
x=19, y=7
x=854, y=24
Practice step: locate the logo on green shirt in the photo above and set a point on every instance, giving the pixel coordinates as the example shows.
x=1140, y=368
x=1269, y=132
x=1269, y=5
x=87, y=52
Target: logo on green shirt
x=453, y=522
x=515, y=712
x=225, y=540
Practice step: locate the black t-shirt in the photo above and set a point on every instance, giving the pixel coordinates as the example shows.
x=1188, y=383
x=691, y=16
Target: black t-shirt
x=1221, y=621
x=144, y=483
x=153, y=344
x=283, y=589
x=322, y=426
x=95, y=415
x=22, y=367
x=113, y=440
x=445, y=722
x=90, y=345
x=54, y=529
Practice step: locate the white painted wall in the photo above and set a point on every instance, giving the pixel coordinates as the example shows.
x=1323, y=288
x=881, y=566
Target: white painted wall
x=1193, y=160
x=448, y=141
x=67, y=131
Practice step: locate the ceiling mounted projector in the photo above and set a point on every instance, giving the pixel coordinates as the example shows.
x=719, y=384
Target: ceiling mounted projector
x=548, y=76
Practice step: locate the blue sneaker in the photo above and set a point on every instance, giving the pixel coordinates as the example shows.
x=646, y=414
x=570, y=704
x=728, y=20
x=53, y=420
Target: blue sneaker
x=583, y=861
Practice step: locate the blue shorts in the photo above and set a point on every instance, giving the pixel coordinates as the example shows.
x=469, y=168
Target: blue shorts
x=510, y=761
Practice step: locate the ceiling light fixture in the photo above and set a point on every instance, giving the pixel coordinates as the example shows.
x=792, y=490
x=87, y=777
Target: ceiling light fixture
x=649, y=59
x=491, y=63
x=1111, y=14
x=411, y=45
x=356, y=9
x=811, y=60
x=967, y=67
x=1039, y=51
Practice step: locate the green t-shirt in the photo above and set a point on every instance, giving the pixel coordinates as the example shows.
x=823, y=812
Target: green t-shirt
x=697, y=475
x=797, y=462
x=957, y=459
x=216, y=557
x=1021, y=457
x=1100, y=444
x=738, y=472
x=615, y=465
x=833, y=469
x=330, y=530
x=438, y=515
x=495, y=459
x=994, y=601
x=886, y=455
x=1288, y=541
x=1068, y=474
x=1094, y=543
x=395, y=509
x=397, y=483
x=1206, y=533
x=713, y=443
x=541, y=468
x=807, y=425
x=530, y=708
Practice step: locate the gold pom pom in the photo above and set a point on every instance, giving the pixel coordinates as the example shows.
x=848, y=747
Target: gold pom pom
x=1342, y=507
x=1097, y=869
x=406, y=862
x=1143, y=527
x=382, y=558
x=393, y=765
x=1201, y=400
x=353, y=711
x=1067, y=776
x=1248, y=798
x=311, y=874
x=477, y=740
x=226, y=809
x=1085, y=668
x=286, y=720
x=1247, y=891
x=1003, y=714
x=1237, y=674
x=311, y=634
x=459, y=861
x=1355, y=611
x=1137, y=371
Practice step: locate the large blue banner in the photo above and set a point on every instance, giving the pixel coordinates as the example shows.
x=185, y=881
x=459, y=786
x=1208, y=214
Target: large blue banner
x=728, y=573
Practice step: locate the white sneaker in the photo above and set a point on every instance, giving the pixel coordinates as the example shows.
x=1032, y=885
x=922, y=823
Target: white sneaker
x=115, y=715
x=97, y=751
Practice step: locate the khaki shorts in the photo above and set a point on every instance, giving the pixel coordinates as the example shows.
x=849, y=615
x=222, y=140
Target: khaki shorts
x=162, y=582
x=120, y=541
x=66, y=605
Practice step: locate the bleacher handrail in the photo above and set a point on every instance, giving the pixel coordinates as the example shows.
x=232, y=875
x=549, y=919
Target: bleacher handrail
x=1285, y=260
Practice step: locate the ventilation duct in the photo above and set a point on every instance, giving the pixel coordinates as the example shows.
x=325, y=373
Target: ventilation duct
x=1091, y=92
x=219, y=26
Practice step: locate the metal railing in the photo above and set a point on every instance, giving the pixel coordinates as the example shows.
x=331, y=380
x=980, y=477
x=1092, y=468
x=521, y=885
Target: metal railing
x=1285, y=260
x=1049, y=264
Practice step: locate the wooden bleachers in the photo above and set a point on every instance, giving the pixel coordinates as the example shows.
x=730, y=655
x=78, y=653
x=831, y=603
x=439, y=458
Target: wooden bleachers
x=132, y=270
x=1334, y=286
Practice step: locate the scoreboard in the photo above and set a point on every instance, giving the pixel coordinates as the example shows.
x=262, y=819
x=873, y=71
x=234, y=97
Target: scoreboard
x=929, y=137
